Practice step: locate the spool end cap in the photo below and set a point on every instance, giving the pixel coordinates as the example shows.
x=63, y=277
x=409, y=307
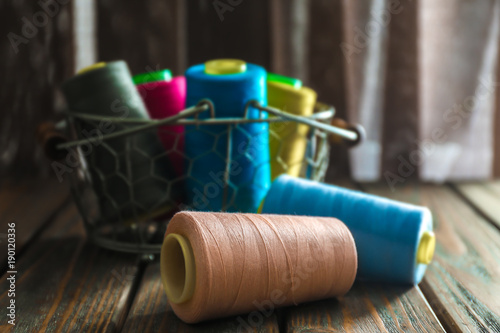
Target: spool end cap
x=92, y=67
x=426, y=248
x=178, y=268
x=225, y=66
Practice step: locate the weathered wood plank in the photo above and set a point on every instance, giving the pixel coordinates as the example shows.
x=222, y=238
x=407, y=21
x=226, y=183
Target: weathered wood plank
x=228, y=29
x=401, y=90
x=462, y=282
x=29, y=204
x=151, y=312
x=148, y=35
x=9, y=193
x=37, y=55
x=365, y=68
x=484, y=196
x=326, y=75
x=281, y=40
x=65, y=283
x=366, y=308
x=289, y=38
x=496, y=123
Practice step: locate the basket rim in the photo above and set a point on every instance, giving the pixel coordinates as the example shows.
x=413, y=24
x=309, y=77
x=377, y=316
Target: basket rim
x=323, y=112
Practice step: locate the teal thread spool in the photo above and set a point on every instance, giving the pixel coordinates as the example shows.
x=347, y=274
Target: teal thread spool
x=394, y=240
x=129, y=177
x=229, y=84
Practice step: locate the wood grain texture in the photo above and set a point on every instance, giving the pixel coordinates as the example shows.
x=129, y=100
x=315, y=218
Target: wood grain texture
x=401, y=89
x=290, y=35
x=496, y=123
x=326, y=70
x=148, y=35
x=463, y=279
x=37, y=55
x=366, y=308
x=64, y=283
x=30, y=204
x=365, y=57
x=484, y=196
x=151, y=312
x=326, y=60
x=280, y=39
x=229, y=29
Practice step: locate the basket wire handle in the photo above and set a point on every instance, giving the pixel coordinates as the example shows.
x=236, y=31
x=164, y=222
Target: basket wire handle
x=203, y=105
x=349, y=134
x=353, y=134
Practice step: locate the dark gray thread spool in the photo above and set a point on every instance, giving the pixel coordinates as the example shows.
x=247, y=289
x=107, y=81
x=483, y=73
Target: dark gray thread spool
x=122, y=168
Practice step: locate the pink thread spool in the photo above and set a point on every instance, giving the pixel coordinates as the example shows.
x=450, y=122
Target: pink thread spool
x=166, y=99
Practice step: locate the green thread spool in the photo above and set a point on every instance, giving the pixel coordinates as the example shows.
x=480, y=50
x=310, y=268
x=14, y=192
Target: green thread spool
x=295, y=83
x=161, y=75
x=129, y=178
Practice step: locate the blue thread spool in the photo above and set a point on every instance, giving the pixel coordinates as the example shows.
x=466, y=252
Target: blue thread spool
x=394, y=240
x=229, y=84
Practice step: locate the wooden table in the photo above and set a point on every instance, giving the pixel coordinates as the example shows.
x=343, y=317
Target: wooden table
x=65, y=283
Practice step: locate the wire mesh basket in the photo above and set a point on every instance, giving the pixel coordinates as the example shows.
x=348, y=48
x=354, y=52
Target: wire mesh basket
x=129, y=212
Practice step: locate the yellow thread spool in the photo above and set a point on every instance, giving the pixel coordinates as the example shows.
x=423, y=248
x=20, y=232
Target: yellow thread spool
x=178, y=269
x=288, y=142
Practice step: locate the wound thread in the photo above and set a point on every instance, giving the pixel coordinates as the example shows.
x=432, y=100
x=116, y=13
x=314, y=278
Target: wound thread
x=166, y=98
x=394, y=240
x=130, y=194
x=229, y=167
x=289, y=140
x=243, y=261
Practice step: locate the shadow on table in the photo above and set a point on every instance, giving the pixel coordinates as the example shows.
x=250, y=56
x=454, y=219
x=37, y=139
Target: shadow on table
x=167, y=321
x=363, y=308
x=366, y=307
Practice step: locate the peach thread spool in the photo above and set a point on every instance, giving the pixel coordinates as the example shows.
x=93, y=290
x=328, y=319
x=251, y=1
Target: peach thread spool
x=221, y=264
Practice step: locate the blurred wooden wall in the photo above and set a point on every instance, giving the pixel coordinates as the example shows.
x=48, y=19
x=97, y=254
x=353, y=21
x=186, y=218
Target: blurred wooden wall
x=37, y=54
x=379, y=84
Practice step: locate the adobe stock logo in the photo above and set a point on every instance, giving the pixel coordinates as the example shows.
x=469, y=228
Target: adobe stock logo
x=225, y=6
x=362, y=37
x=40, y=19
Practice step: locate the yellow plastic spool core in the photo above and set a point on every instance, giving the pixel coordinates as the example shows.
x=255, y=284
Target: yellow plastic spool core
x=225, y=66
x=261, y=206
x=426, y=248
x=92, y=67
x=178, y=270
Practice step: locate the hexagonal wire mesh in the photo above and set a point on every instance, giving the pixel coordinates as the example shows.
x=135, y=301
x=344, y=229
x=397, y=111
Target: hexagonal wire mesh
x=126, y=191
